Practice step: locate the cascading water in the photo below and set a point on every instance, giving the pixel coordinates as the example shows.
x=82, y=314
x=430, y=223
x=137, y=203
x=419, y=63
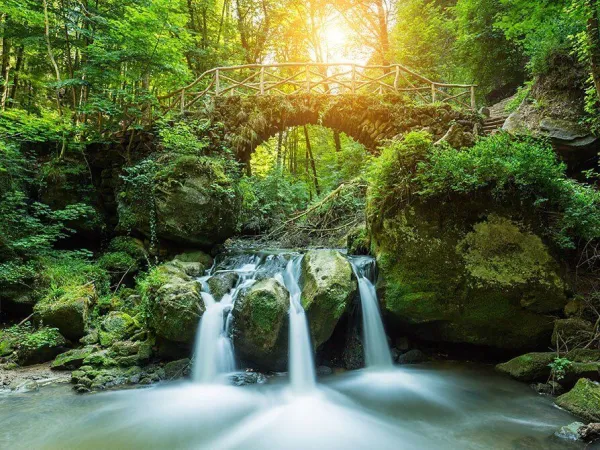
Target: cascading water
x=377, y=351
x=213, y=352
x=301, y=363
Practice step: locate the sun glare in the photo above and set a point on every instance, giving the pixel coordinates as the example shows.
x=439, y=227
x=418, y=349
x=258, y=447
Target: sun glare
x=335, y=42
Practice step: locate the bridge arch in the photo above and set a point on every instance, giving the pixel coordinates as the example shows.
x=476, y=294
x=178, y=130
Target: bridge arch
x=247, y=122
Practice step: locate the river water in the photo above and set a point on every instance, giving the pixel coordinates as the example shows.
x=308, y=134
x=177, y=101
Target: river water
x=433, y=406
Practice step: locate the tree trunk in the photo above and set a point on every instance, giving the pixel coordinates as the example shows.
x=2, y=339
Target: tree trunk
x=50, y=52
x=337, y=140
x=18, y=67
x=593, y=35
x=384, y=39
x=279, y=148
x=5, y=63
x=311, y=159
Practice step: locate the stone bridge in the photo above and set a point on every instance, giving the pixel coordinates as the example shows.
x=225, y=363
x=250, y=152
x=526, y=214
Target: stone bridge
x=370, y=104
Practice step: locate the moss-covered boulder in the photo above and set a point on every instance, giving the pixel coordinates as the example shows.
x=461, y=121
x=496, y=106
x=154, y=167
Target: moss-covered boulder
x=327, y=289
x=194, y=264
x=569, y=333
x=67, y=311
x=529, y=367
x=465, y=272
x=583, y=400
x=195, y=202
x=174, y=303
x=221, y=283
x=260, y=325
x=26, y=346
x=116, y=326
x=72, y=359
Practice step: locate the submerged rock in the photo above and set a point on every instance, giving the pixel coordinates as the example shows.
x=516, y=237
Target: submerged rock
x=583, y=400
x=260, y=325
x=569, y=432
x=247, y=378
x=327, y=289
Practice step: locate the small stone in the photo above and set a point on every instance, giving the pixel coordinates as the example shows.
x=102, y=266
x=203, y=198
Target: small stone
x=590, y=432
x=569, y=432
x=324, y=370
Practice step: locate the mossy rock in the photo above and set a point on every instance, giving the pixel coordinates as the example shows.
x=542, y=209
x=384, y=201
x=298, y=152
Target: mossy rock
x=116, y=326
x=194, y=264
x=536, y=366
x=571, y=332
x=72, y=359
x=69, y=312
x=260, y=325
x=221, y=283
x=39, y=346
x=197, y=203
x=447, y=275
x=131, y=353
x=327, y=289
x=176, y=307
x=583, y=400
x=529, y=367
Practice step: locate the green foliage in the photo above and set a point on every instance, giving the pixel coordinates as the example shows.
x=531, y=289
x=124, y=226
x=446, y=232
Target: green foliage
x=26, y=337
x=184, y=136
x=70, y=275
x=269, y=200
x=521, y=95
x=147, y=285
x=504, y=166
x=559, y=368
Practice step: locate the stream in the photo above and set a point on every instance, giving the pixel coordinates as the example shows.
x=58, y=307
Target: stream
x=436, y=405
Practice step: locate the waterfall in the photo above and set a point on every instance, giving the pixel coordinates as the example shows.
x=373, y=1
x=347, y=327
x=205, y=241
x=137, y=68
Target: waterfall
x=377, y=351
x=214, y=356
x=301, y=363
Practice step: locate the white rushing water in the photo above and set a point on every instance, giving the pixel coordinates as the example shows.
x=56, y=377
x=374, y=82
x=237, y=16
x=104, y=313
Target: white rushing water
x=214, y=355
x=301, y=362
x=377, y=350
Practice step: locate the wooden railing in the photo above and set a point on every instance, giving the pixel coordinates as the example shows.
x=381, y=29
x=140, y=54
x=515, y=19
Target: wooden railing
x=319, y=79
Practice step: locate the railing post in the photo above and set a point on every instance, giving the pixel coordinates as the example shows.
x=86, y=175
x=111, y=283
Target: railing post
x=307, y=79
x=396, y=78
x=182, y=101
x=354, y=78
x=433, y=93
x=262, y=80
x=473, y=99
x=217, y=82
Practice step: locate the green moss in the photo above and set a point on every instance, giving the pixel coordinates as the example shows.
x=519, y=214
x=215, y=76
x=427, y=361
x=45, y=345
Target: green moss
x=583, y=400
x=327, y=288
x=529, y=367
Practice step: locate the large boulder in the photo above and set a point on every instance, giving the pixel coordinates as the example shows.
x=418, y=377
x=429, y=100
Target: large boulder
x=176, y=310
x=69, y=311
x=221, y=283
x=116, y=326
x=260, y=325
x=583, y=400
x=175, y=303
x=463, y=271
x=327, y=290
x=572, y=332
x=196, y=202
